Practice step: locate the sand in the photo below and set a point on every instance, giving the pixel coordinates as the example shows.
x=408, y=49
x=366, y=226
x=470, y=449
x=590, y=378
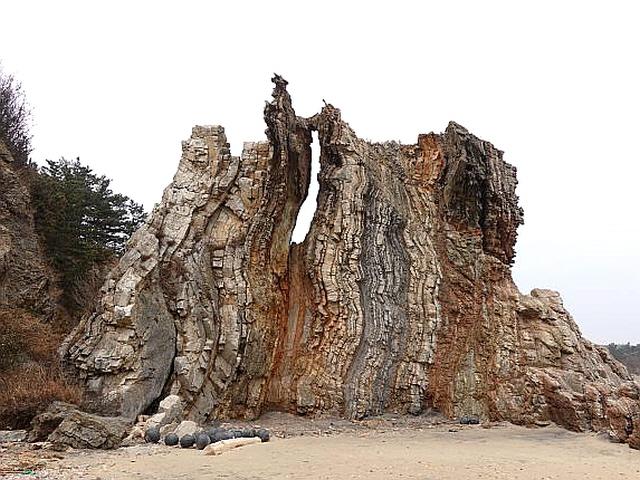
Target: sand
x=372, y=452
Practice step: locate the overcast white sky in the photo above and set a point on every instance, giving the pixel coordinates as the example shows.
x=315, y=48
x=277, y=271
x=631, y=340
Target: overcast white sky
x=553, y=84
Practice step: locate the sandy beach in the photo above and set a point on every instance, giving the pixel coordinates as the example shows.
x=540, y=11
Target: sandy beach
x=382, y=450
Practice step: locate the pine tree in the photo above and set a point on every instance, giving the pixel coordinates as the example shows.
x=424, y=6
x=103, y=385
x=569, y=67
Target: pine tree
x=82, y=221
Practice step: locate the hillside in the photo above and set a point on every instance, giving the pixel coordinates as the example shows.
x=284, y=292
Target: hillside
x=627, y=354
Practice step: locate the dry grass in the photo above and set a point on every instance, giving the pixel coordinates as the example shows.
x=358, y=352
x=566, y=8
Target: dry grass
x=30, y=373
x=24, y=338
x=28, y=389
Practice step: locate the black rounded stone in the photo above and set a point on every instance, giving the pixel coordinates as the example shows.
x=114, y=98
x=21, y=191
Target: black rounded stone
x=474, y=420
x=264, y=434
x=235, y=432
x=218, y=434
x=171, y=439
x=152, y=435
x=202, y=441
x=187, y=441
x=469, y=420
x=249, y=432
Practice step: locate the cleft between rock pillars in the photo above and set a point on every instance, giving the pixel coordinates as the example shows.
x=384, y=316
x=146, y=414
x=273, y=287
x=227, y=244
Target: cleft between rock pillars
x=399, y=299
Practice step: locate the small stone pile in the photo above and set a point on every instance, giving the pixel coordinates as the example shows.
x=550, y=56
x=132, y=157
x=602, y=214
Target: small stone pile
x=166, y=427
x=188, y=434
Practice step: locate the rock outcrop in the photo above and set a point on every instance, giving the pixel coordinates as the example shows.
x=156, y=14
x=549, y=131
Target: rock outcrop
x=400, y=298
x=83, y=430
x=64, y=425
x=25, y=276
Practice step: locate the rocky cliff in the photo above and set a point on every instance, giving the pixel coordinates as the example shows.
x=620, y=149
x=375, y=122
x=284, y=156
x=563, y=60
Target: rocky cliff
x=399, y=299
x=26, y=279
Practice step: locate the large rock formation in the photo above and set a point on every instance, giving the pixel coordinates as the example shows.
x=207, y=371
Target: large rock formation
x=400, y=298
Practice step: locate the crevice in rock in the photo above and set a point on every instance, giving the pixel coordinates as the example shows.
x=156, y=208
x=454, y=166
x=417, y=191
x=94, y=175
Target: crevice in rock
x=310, y=204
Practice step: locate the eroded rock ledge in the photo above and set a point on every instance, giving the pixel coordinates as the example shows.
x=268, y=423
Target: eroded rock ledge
x=400, y=298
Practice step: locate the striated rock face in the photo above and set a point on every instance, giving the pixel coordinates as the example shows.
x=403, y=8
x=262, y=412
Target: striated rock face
x=400, y=298
x=25, y=277
x=195, y=302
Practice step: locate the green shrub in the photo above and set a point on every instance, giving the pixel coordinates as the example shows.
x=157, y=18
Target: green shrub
x=81, y=220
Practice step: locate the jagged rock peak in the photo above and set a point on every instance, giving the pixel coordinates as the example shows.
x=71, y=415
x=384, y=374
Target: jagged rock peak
x=400, y=298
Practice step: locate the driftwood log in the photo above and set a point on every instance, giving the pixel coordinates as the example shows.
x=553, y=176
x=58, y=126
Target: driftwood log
x=223, y=446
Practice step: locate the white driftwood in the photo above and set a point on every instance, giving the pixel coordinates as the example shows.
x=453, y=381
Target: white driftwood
x=222, y=446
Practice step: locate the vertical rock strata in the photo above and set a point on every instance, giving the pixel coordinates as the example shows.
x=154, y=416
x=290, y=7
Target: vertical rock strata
x=400, y=298
x=193, y=306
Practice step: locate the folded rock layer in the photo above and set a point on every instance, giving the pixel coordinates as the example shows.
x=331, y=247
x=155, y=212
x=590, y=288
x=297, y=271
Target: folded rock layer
x=399, y=299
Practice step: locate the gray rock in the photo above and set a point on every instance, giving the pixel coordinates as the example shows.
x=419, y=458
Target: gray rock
x=187, y=441
x=157, y=421
x=236, y=432
x=84, y=430
x=202, y=440
x=7, y=436
x=470, y=420
x=171, y=439
x=264, y=434
x=136, y=434
x=169, y=411
x=212, y=431
x=44, y=424
x=219, y=434
x=186, y=427
x=167, y=429
x=152, y=435
x=171, y=406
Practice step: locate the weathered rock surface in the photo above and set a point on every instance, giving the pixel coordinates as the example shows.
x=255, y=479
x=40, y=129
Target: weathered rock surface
x=84, y=430
x=198, y=293
x=25, y=278
x=400, y=298
x=186, y=427
x=44, y=424
x=169, y=411
x=64, y=425
x=7, y=436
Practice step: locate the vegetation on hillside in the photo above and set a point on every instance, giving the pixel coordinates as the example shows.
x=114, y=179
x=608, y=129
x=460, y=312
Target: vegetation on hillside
x=82, y=221
x=30, y=373
x=15, y=117
x=627, y=354
x=84, y=225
